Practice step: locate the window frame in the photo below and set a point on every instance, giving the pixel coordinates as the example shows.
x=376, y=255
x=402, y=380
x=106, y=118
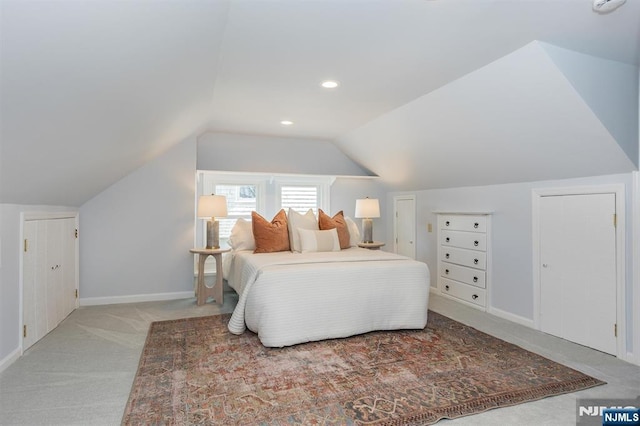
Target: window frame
x=207, y=182
x=322, y=184
x=268, y=191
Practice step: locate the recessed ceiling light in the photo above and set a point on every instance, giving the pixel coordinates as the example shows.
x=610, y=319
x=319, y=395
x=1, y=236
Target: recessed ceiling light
x=286, y=122
x=329, y=84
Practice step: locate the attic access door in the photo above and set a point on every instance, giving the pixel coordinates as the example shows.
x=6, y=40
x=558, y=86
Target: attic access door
x=578, y=269
x=49, y=275
x=404, y=225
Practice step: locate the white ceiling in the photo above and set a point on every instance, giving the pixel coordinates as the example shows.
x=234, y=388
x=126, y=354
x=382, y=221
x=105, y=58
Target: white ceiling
x=92, y=90
x=515, y=120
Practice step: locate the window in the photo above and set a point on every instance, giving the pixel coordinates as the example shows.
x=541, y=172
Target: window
x=302, y=193
x=244, y=195
x=241, y=201
x=265, y=194
x=299, y=198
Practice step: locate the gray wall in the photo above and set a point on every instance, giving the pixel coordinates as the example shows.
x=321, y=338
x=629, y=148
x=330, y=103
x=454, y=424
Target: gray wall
x=512, y=239
x=135, y=236
x=345, y=192
x=248, y=153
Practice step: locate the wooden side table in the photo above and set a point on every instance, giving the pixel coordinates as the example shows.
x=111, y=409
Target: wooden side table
x=371, y=246
x=202, y=291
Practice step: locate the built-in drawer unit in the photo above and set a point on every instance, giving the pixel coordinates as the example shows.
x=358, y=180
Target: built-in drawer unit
x=474, y=277
x=470, y=258
x=465, y=223
x=474, y=295
x=469, y=240
x=464, y=259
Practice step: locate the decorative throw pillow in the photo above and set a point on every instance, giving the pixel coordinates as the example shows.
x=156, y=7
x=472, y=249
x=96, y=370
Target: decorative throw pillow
x=241, y=237
x=319, y=240
x=270, y=236
x=337, y=222
x=300, y=221
x=354, y=232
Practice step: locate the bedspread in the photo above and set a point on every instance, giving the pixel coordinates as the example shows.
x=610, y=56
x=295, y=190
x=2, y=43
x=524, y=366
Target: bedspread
x=289, y=298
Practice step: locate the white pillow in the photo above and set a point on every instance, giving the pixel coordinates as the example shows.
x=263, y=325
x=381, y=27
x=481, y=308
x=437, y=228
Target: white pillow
x=354, y=232
x=241, y=237
x=297, y=221
x=326, y=240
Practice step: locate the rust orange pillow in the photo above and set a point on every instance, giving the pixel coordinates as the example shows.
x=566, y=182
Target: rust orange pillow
x=339, y=223
x=270, y=236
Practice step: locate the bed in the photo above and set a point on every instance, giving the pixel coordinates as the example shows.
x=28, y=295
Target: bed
x=289, y=298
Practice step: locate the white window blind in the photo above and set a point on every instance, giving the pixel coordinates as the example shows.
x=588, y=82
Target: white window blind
x=241, y=201
x=263, y=193
x=300, y=198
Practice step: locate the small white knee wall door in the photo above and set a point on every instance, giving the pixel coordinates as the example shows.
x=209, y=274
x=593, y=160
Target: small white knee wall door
x=405, y=225
x=49, y=280
x=578, y=269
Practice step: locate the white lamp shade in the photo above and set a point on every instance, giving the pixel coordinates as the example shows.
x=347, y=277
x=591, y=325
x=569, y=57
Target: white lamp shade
x=367, y=208
x=212, y=206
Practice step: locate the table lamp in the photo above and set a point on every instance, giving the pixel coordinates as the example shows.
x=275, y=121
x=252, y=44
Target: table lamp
x=210, y=207
x=366, y=209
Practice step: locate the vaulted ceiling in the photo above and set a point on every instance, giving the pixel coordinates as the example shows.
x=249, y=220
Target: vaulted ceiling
x=89, y=91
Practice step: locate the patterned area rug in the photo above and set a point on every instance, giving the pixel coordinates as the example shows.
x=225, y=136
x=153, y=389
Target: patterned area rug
x=193, y=371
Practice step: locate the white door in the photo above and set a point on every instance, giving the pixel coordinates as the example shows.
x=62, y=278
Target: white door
x=34, y=283
x=69, y=267
x=578, y=269
x=49, y=280
x=54, y=296
x=405, y=226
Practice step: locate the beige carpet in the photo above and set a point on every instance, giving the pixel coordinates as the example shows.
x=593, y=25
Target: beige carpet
x=193, y=371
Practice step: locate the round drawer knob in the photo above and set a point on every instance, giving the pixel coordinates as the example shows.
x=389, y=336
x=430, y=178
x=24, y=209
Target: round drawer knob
x=447, y=239
x=446, y=255
x=447, y=223
x=475, y=279
x=476, y=242
x=475, y=225
x=474, y=297
x=446, y=271
x=475, y=261
x=446, y=287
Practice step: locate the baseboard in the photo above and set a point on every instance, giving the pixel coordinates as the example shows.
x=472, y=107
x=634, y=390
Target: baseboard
x=112, y=300
x=9, y=359
x=631, y=358
x=511, y=317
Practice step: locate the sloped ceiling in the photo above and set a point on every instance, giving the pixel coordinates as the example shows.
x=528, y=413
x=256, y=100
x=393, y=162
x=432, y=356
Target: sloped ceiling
x=92, y=90
x=517, y=119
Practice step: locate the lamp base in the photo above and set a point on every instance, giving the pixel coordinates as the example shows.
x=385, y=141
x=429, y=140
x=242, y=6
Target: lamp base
x=367, y=230
x=213, y=234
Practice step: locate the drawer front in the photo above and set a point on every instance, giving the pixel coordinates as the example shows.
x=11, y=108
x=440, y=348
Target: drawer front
x=474, y=277
x=464, y=223
x=464, y=292
x=468, y=240
x=464, y=257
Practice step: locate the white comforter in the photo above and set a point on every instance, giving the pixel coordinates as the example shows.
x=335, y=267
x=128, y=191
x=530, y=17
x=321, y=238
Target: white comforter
x=289, y=298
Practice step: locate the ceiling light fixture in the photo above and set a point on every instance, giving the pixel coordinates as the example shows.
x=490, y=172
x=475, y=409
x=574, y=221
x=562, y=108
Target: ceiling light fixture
x=606, y=6
x=329, y=84
x=286, y=122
